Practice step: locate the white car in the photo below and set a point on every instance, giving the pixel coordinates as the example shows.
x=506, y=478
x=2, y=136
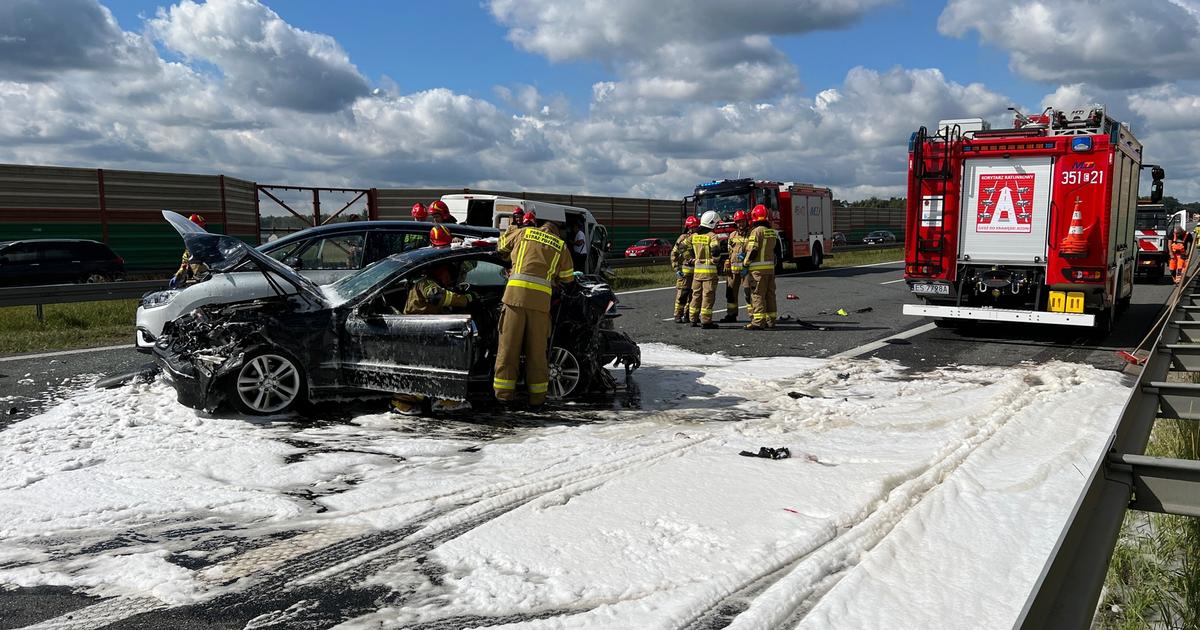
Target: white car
x=322, y=254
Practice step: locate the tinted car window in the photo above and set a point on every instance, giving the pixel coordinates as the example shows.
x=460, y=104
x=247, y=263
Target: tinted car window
x=344, y=251
x=60, y=252
x=20, y=253
x=384, y=244
x=97, y=251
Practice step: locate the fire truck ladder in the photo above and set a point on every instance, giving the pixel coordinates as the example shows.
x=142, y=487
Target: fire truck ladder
x=935, y=169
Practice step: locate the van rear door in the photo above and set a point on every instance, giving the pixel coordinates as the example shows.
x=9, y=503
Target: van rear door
x=1006, y=209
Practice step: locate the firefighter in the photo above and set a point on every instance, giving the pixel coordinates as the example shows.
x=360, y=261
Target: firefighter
x=431, y=295
x=439, y=212
x=419, y=212
x=736, y=244
x=1178, y=250
x=188, y=271
x=540, y=260
x=681, y=262
x=760, y=266
x=704, y=271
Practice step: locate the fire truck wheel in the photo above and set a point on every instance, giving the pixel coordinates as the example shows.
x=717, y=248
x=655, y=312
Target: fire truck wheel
x=943, y=322
x=1104, y=323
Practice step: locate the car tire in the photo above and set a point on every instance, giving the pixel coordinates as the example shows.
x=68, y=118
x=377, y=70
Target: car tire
x=93, y=278
x=268, y=382
x=568, y=374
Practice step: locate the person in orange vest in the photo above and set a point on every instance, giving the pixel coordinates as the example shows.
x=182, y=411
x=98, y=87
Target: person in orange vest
x=760, y=266
x=704, y=271
x=540, y=261
x=188, y=271
x=1178, y=249
x=681, y=262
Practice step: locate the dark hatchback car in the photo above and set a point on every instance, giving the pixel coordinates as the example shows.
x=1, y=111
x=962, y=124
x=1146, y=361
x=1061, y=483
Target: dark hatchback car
x=310, y=343
x=58, y=261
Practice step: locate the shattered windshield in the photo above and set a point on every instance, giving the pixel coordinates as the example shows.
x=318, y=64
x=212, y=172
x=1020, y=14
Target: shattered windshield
x=357, y=284
x=724, y=205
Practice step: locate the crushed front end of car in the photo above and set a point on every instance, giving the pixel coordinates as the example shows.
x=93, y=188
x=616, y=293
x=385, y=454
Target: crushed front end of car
x=584, y=325
x=199, y=349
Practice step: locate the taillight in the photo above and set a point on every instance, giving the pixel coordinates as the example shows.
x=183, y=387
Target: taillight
x=1085, y=275
x=118, y=261
x=914, y=270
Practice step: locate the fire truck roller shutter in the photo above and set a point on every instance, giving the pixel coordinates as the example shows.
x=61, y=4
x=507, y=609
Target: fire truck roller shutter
x=1006, y=209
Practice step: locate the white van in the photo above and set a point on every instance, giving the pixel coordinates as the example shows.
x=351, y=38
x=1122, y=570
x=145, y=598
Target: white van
x=496, y=211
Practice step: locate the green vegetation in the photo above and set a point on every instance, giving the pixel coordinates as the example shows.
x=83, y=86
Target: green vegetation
x=1154, y=577
x=872, y=202
x=82, y=325
x=630, y=278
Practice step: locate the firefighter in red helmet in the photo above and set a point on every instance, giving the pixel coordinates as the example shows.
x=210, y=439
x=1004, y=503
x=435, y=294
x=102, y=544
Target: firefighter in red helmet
x=760, y=267
x=439, y=212
x=419, y=212
x=439, y=236
x=188, y=271
x=682, y=259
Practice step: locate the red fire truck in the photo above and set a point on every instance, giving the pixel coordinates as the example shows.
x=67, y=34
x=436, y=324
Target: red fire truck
x=802, y=213
x=1029, y=224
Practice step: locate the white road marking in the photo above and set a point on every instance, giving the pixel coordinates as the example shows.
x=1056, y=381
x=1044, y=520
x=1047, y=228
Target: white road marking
x=892, y=281
x=782, y=275
x=875, y=345
x=63, y=353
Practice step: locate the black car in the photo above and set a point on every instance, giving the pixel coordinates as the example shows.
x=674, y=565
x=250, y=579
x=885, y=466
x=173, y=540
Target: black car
x=879, y=237
x=311, y=343
x=58, y=261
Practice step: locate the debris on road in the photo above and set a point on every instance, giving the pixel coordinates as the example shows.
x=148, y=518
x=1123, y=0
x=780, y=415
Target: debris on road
x=768, y=453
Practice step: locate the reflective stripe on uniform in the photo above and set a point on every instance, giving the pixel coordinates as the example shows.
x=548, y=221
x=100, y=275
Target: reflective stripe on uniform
x=529, y=278
x=500, y=383
x=762, y=266
x=706, y=270
x=566, y=275
x=530, y=285
x=538, y=388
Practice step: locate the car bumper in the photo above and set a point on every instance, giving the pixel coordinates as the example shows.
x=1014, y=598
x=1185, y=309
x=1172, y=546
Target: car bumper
x=195, y=386
x=143, y=341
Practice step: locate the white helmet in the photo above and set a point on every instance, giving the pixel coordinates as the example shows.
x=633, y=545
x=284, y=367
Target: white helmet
x=709, y=220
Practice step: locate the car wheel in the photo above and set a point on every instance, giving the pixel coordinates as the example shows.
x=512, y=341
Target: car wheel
x=93, y=278
x=267, y=382
x=566, y=374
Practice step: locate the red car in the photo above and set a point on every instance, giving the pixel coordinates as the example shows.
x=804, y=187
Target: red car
x=648, y=248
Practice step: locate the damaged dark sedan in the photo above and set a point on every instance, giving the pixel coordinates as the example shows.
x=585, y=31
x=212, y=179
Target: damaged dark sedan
x=311, y=343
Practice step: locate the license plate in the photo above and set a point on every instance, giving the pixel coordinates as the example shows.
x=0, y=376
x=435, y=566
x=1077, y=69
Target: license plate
x=932, y=289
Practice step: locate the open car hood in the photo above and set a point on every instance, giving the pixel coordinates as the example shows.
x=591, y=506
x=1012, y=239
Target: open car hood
x=222, y=253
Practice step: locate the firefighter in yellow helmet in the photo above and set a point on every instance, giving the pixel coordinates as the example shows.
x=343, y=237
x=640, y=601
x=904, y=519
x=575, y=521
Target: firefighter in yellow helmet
x=540, y=260
x=681, y=262
x=705, y=247
x=760, y=266
x=736, y=244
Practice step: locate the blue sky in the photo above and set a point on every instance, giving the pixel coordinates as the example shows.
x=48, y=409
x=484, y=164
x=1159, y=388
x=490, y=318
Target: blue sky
x=628, y=97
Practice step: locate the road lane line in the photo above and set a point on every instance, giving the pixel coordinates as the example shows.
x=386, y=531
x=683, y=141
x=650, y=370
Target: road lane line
x=875, y=345
x=63, y=353
x=782, y=275
x=892, y=281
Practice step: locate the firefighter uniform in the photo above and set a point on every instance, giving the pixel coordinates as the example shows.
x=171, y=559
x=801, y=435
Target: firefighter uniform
x=681, y=261
x=187, y=270
x=704, y=278
x=733, y=273
x=427, y=297
x=760, y=259
x=540, y=260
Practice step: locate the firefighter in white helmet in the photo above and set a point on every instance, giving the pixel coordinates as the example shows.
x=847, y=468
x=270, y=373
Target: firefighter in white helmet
x=760, y=266
x=705, y=247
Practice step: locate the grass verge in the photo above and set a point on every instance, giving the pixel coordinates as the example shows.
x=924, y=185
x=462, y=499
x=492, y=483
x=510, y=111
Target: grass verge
x=1154, y=577
x=631, y=278
x=67, y=326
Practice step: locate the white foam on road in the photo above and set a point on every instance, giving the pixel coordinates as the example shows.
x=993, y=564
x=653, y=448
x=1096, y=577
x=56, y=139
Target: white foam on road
x=900, y=486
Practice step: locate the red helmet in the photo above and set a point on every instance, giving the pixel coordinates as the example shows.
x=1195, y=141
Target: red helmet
x=439, y=236
x=740, y=215
x=439, y=208
x=759, y=213
x=530, y=217
x=691, y=223
x=419, y=212
x=198, y=220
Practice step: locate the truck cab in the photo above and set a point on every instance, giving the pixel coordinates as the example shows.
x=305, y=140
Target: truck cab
x=496, y=211
x=1152, y=228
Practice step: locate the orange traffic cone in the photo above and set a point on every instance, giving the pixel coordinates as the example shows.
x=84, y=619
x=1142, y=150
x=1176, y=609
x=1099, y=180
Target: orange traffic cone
x=1075, y=244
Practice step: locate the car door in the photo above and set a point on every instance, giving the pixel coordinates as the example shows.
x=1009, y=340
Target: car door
x=60, y=263
x=597, y=247
x=19, y=264
x=430, y=355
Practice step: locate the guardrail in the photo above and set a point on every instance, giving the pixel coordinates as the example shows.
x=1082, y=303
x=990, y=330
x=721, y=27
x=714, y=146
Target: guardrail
x=1068, y=589
x=63, y=293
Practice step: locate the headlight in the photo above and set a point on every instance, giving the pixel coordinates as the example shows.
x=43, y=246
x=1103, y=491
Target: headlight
x=159, y=299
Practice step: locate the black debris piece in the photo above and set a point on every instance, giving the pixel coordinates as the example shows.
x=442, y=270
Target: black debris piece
x=767, y=452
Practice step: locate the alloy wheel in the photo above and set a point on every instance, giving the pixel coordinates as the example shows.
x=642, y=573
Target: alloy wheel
x=564, y=373
x=268, y=383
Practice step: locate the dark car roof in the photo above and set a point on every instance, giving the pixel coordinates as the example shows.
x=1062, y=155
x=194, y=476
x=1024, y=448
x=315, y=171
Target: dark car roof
x=456, y=229
x=428, y=254
x=49, y=241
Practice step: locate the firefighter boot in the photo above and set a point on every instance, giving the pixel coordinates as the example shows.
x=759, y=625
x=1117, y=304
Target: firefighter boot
x=406, y=405
x=449, y=406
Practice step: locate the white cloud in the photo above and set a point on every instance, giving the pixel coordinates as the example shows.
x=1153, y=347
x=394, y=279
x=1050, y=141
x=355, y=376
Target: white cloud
x=1108, y=43
x=260, y=55
x=41, y=38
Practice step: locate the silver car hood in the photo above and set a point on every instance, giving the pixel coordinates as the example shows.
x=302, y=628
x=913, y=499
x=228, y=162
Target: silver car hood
x=221, y=253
